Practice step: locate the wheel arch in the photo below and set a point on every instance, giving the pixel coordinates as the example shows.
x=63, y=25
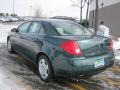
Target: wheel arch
x=42, y=53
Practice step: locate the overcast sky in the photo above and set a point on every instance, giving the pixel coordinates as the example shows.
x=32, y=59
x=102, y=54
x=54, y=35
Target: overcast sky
x=49, y=7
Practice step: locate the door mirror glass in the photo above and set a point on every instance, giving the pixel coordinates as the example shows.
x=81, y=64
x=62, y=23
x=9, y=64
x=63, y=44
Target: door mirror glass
x=14, y=30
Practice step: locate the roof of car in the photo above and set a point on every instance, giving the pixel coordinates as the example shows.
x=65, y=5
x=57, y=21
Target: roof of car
x=49, y=20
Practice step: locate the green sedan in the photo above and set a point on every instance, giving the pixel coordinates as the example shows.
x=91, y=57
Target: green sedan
x=61, y=48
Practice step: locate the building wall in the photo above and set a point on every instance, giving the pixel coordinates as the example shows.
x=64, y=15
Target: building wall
x=105, y=3
x=111, y=17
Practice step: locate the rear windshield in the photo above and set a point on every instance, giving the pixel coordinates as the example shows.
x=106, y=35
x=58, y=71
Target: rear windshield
x=69, y=28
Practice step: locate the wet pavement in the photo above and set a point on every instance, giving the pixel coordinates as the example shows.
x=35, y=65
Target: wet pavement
x=24, y=71
x=16, y=73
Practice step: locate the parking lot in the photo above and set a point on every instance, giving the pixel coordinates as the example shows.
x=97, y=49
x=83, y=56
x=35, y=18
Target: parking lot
x=19, y=74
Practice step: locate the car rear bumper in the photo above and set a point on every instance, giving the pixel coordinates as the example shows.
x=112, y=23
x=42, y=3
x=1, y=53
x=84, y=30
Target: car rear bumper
x=90, y=69
x=85, y=66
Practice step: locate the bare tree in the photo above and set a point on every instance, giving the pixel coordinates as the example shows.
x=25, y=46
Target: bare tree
x=96, y=16
x=7, y=14
x=38, y=12
x=88, y=2
x=14, y=14
x=80, y=4
x=81, y=8
x=1, y=14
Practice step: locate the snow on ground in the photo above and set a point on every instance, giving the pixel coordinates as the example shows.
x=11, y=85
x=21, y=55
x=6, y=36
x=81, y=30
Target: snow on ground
x=10, y=82
x=4, y=30
x=116, y=44
x=117, y=57
x=116, y=47
x=117, y=54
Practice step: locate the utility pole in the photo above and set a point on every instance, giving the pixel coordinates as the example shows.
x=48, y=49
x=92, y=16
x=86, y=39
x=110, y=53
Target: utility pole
x=96, y=16
x=81, y=11
x=30, y=9
x=13, y=7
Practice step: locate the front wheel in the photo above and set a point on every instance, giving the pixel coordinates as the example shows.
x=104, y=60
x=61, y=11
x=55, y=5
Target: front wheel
x=45, y=69
x=9, y=46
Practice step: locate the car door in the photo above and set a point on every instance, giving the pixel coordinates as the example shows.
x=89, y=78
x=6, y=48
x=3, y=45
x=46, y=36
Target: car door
x=34, y=39
x=19, y=38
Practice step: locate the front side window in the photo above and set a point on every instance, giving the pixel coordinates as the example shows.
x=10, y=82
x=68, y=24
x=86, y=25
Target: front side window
x=24, y=27
x=69, y=28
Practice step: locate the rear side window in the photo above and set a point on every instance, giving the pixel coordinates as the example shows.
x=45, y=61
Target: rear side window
x=49, y=29
x=24, y=27
x=42, y=31
x=35, y=27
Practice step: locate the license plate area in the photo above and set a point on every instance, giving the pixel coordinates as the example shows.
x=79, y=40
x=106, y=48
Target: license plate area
x=99, y=63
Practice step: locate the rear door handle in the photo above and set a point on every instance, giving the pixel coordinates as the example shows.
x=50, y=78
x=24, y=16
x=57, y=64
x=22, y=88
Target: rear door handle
x=36, y=40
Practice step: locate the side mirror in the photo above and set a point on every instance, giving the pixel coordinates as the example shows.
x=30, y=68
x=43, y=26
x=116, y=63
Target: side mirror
x=14, y=30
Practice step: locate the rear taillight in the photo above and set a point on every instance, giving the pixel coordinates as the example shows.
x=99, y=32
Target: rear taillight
x=111, y=45
x=72, y=48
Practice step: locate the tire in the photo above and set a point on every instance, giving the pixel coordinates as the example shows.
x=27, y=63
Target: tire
x=44, y=69
x=9, y=46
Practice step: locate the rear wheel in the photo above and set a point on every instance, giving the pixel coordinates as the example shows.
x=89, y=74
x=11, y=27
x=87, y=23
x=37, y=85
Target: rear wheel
x=9, y=46
x=44, y=69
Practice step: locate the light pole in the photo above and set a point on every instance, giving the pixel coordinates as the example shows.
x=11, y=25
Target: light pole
x=30, y=9
x=13, y=7
x=81, y=11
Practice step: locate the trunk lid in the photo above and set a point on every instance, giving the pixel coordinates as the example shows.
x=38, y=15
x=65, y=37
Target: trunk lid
x=95, y=46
